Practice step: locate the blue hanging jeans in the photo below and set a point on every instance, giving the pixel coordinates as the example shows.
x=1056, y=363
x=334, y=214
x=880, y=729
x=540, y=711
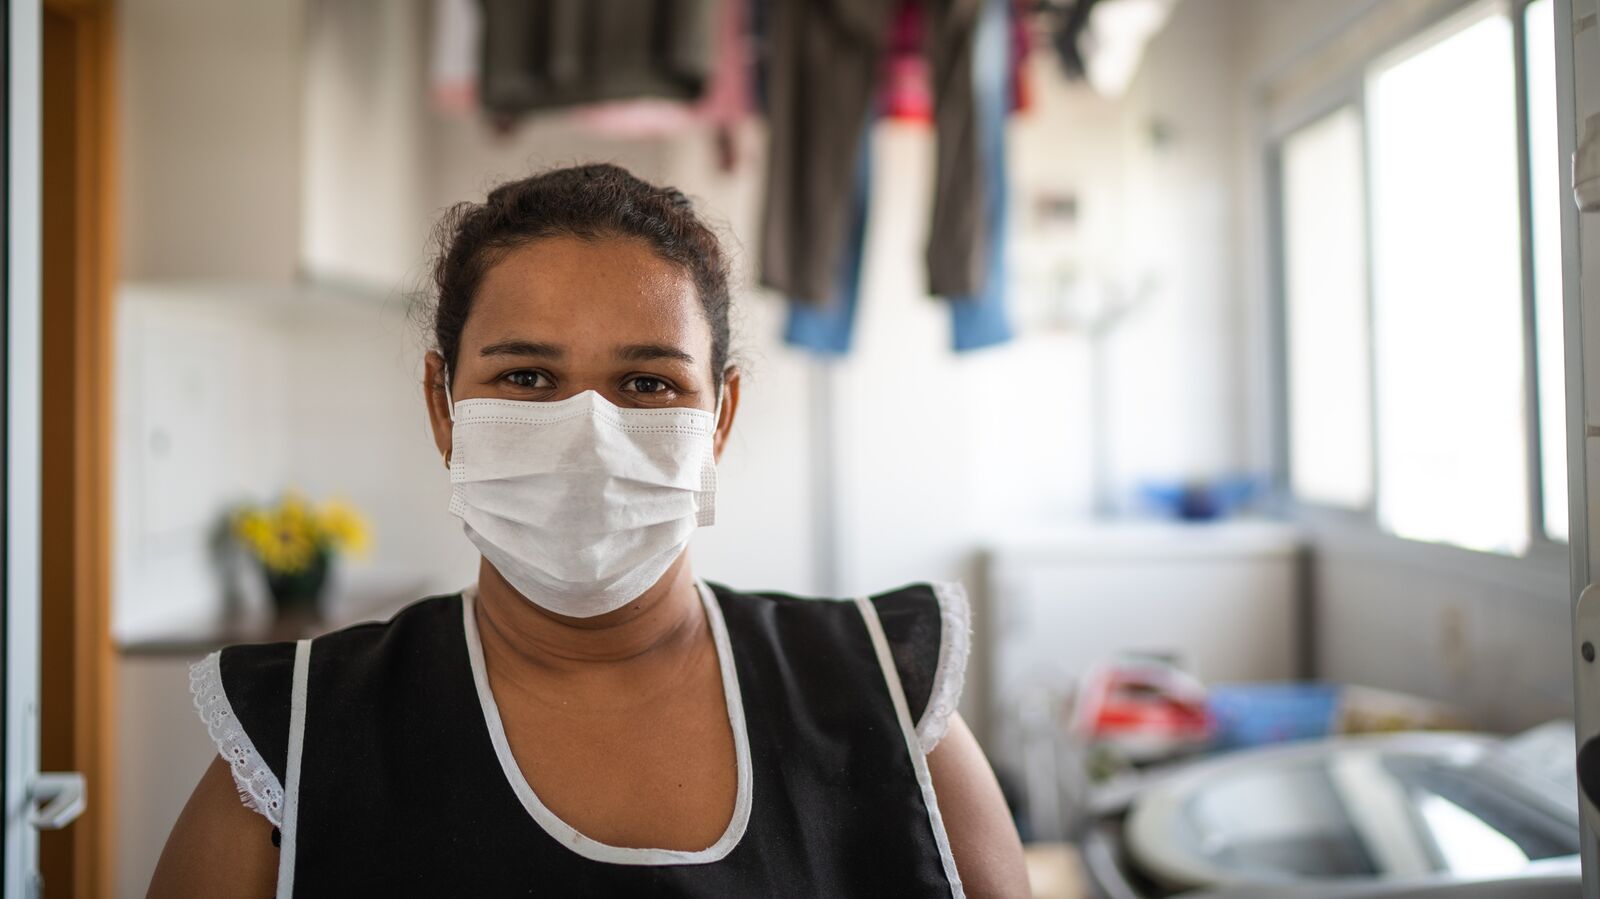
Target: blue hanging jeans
x=976, y=321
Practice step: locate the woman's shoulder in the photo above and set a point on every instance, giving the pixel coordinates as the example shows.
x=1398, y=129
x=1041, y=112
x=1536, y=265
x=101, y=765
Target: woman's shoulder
x=248, y=668
x=928, y=630
x=921, y=631
x=244, y=692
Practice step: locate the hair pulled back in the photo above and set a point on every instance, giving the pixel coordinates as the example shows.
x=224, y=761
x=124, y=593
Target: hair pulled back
x=588, y=202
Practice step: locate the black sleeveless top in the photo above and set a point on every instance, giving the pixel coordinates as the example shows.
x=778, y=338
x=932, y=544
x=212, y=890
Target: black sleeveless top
x=379, y=753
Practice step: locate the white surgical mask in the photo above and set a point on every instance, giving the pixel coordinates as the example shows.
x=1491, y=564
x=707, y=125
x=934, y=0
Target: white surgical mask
x=579, y=504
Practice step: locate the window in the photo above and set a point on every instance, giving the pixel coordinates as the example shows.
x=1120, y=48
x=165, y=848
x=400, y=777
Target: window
x=1325, y=290
x=1544, y=182
x=1447, y=291
x=1408, y=287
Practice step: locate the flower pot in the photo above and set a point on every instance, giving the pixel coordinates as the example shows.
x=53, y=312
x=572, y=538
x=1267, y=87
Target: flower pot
x=297, y=595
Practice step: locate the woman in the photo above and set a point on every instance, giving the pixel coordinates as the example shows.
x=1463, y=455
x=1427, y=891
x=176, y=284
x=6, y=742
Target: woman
x=589, y=718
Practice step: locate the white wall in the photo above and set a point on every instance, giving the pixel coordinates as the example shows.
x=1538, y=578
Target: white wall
x=202, y=397
x=1177, y=399
x=210, y=110
x=1488, y=635
x=363, y=213
x=359, y=430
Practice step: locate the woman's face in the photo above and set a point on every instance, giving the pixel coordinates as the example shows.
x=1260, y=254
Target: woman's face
x=561, y=315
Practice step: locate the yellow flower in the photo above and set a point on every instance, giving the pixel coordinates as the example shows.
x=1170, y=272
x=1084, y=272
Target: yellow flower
x=343, y=528
x=294, y=511
x=289, y=537
x=281, y=548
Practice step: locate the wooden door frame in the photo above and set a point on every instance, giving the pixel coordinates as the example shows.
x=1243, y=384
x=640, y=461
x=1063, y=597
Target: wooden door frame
x=79, y=231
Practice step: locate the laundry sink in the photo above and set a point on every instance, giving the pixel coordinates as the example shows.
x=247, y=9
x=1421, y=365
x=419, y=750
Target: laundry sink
x=1422, y=815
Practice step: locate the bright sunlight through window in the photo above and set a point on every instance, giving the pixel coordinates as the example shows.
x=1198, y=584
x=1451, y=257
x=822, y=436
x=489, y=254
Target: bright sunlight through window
x=1447, y=289
x=1325, y=271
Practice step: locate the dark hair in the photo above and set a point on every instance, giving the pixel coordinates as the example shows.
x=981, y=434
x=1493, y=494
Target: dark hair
x=588, y=202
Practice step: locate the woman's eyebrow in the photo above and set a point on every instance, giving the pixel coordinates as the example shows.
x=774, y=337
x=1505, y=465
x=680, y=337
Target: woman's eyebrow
x=646, y=352
x=523, y=348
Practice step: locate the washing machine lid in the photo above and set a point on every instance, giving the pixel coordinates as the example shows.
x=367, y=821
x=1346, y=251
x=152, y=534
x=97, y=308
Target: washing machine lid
x=1393, y=807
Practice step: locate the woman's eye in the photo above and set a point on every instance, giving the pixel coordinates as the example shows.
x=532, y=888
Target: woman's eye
x=527, y=380
x=649, y=385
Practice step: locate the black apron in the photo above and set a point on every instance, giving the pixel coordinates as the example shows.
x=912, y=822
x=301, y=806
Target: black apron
x=402, y=785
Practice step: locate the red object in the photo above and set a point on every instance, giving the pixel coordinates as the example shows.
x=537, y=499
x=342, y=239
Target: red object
x=906, y=84
x=1145, y=708
x=905, y=90
x=1021, y=45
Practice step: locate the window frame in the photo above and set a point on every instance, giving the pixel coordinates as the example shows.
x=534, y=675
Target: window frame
x=1348, y=88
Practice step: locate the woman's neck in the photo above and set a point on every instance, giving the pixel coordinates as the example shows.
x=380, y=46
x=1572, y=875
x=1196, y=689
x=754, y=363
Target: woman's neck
x=525, y=642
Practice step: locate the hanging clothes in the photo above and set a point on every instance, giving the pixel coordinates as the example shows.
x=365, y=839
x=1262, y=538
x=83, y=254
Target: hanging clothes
x=542, y=54
x=981, y=320
x=826, y=328
x=906, y=93
x=455, y=56
x=977, y=320
x=725, y=102
x=1021, y=48
x=907, y=86
x=824, y=58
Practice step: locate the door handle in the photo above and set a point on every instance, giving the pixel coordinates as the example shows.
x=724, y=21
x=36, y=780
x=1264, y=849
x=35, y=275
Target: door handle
x=1586, y=702
x=65, y=797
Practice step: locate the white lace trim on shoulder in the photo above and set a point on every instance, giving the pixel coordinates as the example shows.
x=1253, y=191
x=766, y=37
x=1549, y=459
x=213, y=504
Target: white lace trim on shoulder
x=258, y=786
x=950, y=675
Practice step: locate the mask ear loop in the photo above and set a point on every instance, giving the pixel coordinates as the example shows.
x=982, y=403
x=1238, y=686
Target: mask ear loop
x=706, y=498
x=449, y=404
x=450, y=409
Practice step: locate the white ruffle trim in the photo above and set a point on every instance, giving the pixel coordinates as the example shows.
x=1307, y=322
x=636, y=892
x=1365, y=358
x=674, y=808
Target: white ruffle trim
x=258, y=786
x=949, y=676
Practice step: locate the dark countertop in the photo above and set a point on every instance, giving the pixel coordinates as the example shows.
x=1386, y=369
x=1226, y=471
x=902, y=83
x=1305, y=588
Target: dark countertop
x=207, y=636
